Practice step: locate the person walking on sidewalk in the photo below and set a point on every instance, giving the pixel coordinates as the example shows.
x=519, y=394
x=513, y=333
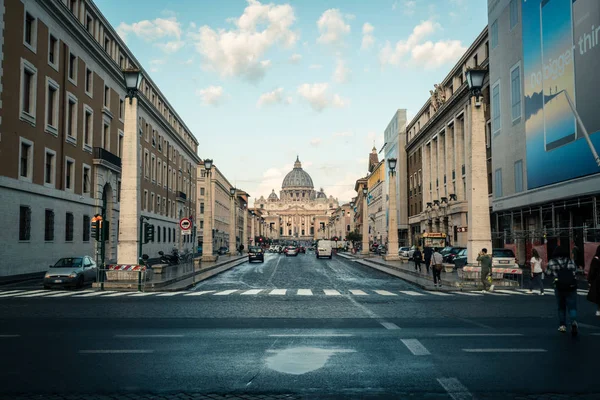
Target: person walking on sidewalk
x=437, y=264
x=485, y=261
x=427, y=252
x=536, y=272
x=563, y=270
x=594, y=281
x=417, y=257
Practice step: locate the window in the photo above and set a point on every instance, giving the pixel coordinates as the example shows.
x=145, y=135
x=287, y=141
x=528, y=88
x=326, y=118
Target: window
x=89, y=23
x=106, y=96
x=158, y=203
x=515, y=92
x=87, y=179
x=106, y=136
x=488, y=135
x=121, y=109
x=28, y=91
x=69, y=227
x=514, y=13
x=118, y=191
x=73, y=68
x=53, y=51
x=71, y=118
x=165, y=174
x=107, y=44
x=146, y=200
x=158, y=172
x=494, y=35
x=50, y=168
x=120, y=144
x=30, y=32
x=73, y=6
x=69, y=174
x=169, y=235
x=49, y=225
x=121, y=61
x=158, y=230
x=89, y=82
x=152, y=201
x=201, y=191
x=24, y=223
x=26, y=160
x=519, y=176
x=498, y=187
x=202, y=224
x=88, y=127
x=146, y=164
x=52, y=90
x=169, y=208
x=86, y=228
x=201, y=208
x=496, y=108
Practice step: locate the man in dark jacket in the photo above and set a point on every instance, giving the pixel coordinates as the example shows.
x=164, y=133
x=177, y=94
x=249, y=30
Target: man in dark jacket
x=417, y=257
x=427, y=252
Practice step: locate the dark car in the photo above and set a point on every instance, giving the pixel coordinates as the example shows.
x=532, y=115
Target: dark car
x=71, y=272
x=451, y=254
x=460, y=260
x=302, y=249
x=255, y=253
x=223, y=251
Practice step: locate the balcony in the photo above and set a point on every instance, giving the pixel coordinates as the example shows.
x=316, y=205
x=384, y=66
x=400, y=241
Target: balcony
x=182, y=197
x=107, y=159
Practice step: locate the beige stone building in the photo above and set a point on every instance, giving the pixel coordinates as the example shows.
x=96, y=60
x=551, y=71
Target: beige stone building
x=438, y=140
x=299, y=212
x=62, y=122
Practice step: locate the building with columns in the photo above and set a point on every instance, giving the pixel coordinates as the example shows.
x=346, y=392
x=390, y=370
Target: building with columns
x=376, y=211
x=62, y=118
x=437, y=141
x=299, y=212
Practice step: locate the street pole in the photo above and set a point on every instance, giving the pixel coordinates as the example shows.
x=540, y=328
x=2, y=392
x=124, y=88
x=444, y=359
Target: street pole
x=245, y=228
x=392, y=250
x=365, y=227
x=207, y=245
x=232, y=243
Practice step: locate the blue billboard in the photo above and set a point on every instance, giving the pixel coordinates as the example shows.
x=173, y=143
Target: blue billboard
x=561, y=54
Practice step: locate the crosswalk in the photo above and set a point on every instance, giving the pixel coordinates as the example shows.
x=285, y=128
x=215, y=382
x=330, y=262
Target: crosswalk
x=92, y=293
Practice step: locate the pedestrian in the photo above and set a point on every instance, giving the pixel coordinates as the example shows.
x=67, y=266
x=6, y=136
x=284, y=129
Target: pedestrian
x=536, y=272
x=437, y=264
x=594, y=281
x=427, y=252
x=417, y=257
x=485, y=261
x=563, y=270
x=577, y=256
x=241, y=249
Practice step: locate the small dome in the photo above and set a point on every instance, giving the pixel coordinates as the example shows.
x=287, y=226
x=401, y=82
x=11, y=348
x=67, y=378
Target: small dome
x=321, y=194
x=297, y=177
x=273, y=196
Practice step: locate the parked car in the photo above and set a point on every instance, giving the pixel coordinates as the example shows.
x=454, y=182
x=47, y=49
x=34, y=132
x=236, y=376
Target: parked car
x=381, y=249
x=291, y=251
x=460, y=260
x=223, y=250
x=504, y=258
x=445, y=250
x=450, y=255
x=255, y=253
x=406, y=252
x=324, y=249
x=71, y=272
x=302, y=249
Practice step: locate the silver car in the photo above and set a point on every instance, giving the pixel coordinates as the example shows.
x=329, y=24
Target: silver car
x=71, y=272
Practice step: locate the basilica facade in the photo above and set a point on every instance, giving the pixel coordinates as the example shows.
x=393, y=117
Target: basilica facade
x=299, y=212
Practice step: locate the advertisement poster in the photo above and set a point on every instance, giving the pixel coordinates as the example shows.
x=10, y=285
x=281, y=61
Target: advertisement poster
x=561, y=55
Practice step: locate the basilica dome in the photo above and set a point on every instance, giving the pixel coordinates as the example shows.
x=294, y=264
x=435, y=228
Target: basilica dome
x=297, y=178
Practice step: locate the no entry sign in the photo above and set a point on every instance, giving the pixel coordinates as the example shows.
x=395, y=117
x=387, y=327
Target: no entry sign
x=185, y=224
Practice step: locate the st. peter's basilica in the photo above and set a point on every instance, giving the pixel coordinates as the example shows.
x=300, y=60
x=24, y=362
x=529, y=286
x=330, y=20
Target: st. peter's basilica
x=300, y=212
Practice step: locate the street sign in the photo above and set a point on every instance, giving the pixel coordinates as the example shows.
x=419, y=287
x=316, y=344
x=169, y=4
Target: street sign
x=188, y=232
x=461, y=229
x=185, y=224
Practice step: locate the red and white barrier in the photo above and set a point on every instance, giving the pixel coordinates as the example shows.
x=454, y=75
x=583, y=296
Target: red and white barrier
x=514, y=271
x=118, y=267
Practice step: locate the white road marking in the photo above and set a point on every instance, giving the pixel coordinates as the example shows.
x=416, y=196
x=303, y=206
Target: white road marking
x=278, y=292
x=469, y=293
x=411, y=293
x=24, y=293
x=41, y=294
x=389, y=325
x=455, y=389
x=582, y=292
x=148, y=336
x=385, y=293
x=225, y=292
x=252, y=291
x=170, y=294
x=507, y=350
x=304, y=292
x=142, y=294
x=493, y=293
x=477, y=334
x=358, y=292
x=119, y=294
x=438, y=293
x=62, y=294
x=11, y=291
x=9, y=336
x=132, y=351
x=312, y=335
x=510, y=292
x=199, y=293
x=526, y=291
x=415, y=347
x=331, y=292
x=98, y=293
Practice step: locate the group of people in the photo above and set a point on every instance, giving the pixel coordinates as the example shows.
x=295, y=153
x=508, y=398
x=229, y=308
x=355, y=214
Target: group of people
x=433, y=259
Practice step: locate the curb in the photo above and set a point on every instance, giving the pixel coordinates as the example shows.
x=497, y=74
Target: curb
x=208, y=273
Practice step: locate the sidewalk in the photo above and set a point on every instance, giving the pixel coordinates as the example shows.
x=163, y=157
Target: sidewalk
x=177, y=277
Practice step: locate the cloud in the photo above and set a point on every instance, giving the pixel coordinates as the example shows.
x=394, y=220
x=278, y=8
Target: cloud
x=153, y=31
x=239, y=51
x=332, y=27
x=295, y=58
x=316, y=142
x=189, y=61
x=171, y=47
x=315, y=66
x=342, y=134
x=414, y=48
x=341, y=73
x=409, y=7
x=317, y=95
x=212, y=95
x=277, y=96
x=157, y=62
x=368, y=39
x=394, y=5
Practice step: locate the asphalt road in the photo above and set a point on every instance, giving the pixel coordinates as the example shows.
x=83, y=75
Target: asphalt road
x=295, y=326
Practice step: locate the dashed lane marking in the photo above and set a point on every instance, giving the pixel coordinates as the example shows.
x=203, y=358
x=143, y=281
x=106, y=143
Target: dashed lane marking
x=199, y=293
x=251, y=291
x=148, y=336
x=169, y=294
x=304, y=292
x=278, y=292
x=40, y=294
x=477, y=334
x=455, y=389
x=142, y=294
x=127, y=351
x=9, y=336
x=317, y=335
x=469, y=293
x=504, y=350
x=117, y=294
x=438, y=293
x=225, y=292
x=358, y=292
x=389, y=325
x=411, y=293
x=93, y=294
x=331, y=292
x=28, y=292
x=415, y=347
x=385, y=293
x=511, y=292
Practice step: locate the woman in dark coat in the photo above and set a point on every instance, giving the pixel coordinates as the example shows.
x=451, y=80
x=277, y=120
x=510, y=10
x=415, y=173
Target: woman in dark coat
x=594, y=280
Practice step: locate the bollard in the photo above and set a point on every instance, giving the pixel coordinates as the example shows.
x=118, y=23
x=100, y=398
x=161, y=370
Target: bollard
x=140, y=280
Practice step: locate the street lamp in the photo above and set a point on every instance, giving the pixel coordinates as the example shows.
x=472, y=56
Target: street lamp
x=475, y=78
x=133, y=80
x=392, y=249
x=365, y=223
x=232, y=235
x=207, y=240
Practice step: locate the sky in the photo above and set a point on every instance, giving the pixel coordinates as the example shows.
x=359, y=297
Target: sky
x=259, y=83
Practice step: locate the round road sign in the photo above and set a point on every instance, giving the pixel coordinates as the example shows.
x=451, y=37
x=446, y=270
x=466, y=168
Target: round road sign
x=185, y=224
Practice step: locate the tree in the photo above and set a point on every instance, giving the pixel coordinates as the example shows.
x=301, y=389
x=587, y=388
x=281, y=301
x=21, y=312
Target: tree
x=354, y=237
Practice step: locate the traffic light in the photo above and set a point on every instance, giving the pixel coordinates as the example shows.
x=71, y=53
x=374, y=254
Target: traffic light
x=148, y=233
x=96, y=224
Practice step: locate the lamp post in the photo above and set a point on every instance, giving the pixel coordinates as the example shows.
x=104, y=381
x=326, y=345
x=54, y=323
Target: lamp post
x=232, y=243
x=365, y=224
x=252, y=218
x=130, y=212
x=207, y=241
x=245, y=228
x=478, y=221
x=392, y=248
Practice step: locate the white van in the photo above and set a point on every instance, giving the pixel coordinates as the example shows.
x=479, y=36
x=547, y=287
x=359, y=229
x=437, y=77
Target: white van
x=324, y=248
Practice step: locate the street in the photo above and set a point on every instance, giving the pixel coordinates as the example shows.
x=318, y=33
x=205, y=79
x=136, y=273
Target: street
x=294, y=326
